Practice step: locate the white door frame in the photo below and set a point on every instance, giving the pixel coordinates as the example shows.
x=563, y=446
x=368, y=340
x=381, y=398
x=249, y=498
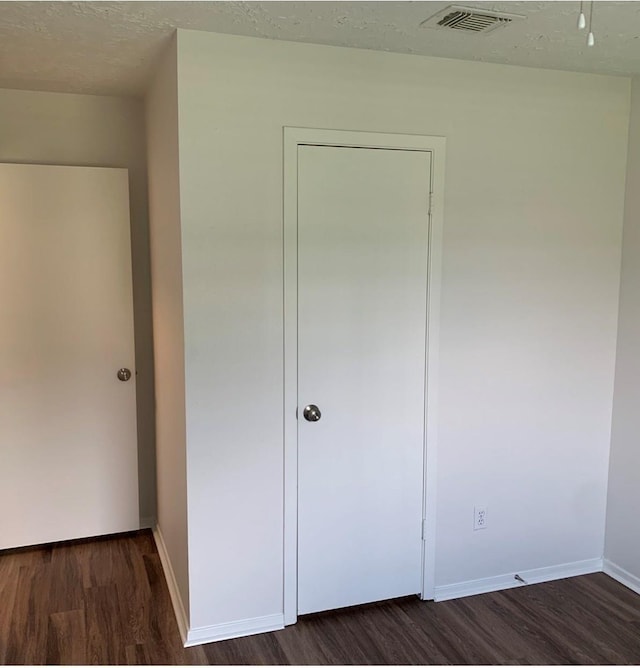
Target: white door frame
x=294, y=137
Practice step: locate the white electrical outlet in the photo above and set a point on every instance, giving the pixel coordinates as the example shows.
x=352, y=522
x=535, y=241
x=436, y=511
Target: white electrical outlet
x=479, y=517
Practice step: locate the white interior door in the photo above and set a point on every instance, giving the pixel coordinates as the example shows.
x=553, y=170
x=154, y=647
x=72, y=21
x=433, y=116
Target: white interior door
x=68, y=454
x=362, y=296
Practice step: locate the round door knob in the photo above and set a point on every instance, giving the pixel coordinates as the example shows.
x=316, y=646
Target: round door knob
x=311, y=413
x=124, y=374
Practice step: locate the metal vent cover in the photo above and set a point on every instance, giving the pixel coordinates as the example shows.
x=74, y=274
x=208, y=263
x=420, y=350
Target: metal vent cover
x=469, y=20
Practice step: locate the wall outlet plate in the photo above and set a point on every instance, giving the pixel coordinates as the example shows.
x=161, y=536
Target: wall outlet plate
x=479, y=517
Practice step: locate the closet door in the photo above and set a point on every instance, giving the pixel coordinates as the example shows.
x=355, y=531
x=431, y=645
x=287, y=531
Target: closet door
x=362, y=295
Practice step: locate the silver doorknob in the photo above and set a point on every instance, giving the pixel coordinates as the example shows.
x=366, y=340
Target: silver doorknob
x=311, y=413
x=124, y=374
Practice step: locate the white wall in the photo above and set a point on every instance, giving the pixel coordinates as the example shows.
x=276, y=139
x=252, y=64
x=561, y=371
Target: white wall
x=533, y=218
x=166, y=271
x=64, y=129
x=623, y=536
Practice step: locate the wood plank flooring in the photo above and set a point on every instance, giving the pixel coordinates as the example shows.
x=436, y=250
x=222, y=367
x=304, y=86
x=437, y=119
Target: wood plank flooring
x=106, y=602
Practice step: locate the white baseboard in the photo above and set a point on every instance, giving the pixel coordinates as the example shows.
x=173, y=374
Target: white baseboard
x=622, y=576
x=174, y=592
x=508, y=581
x=243, y=627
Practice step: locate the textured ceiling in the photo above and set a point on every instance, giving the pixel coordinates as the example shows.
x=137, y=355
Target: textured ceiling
x=110, y=47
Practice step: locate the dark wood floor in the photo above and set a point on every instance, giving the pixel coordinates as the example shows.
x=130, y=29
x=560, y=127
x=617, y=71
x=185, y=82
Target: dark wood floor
x=106, y=602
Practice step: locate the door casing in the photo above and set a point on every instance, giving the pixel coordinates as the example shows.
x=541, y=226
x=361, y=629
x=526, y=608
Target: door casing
x=294, y=137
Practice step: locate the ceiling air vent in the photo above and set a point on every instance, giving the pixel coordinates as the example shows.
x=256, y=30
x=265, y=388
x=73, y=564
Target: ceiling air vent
x=469, y=19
